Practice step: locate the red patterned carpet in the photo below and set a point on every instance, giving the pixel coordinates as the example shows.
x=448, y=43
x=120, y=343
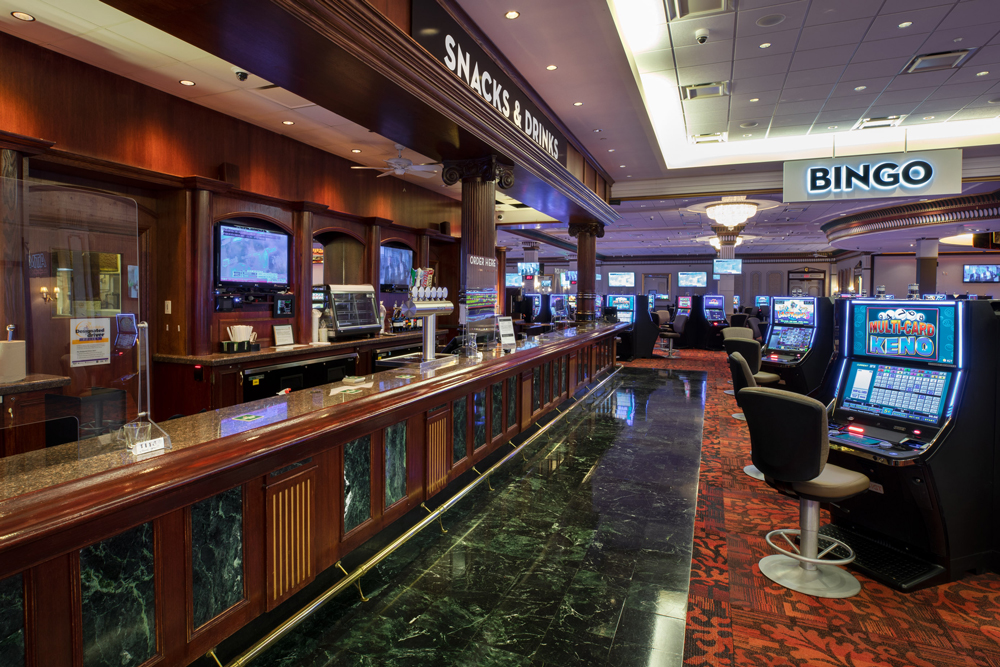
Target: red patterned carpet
x=737, y=617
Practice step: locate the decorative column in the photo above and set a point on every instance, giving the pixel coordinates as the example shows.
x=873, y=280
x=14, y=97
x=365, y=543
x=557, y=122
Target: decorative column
x=586, y=235
x=927, y=260
x=373, y=254
x=727, y=250
x=301, y=270
x=501, y=253
x=480, y=179
x=201, y=276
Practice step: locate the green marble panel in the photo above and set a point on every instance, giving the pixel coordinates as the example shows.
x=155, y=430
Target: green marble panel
x=546, y=385
x=12, y=621
x=395, y=463
x=479, y=418
x=459, y=419
x=536, y=389
x=217, y=554
x=357, y=482
x=496, y=411
x=559, y=376
x=118, y=599
x=511, y=401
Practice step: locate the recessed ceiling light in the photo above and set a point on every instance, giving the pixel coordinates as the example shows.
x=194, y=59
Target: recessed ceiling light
x=288, y=122
x=512, y=15
x=550, y=67
x=765, y=45
x=578, y=104
x=23, y=16
x=355, y=150
x=995, y=100
x=832, y=127
x=860, y=87
x=611, y=150
x=770, y=20
x=185, y=82
x=928, y=117
x=629, y=176
x=747, y=135
x=906, y=24
x=983, y=73
x=957, y=39
x=749, y=123
x=621, y=166
x=597, y=130
x=755, y=99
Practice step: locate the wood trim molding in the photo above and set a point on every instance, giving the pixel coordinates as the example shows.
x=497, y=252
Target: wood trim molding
x=23, y=144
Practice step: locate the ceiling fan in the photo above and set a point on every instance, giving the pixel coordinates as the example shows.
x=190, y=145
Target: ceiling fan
x=399, y=166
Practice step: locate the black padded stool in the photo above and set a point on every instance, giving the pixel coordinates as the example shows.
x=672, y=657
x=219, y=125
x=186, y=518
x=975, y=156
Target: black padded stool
x=743, y=378
x=673, y=331
x=788, y=443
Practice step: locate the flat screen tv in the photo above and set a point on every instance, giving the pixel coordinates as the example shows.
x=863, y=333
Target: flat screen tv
x=692, y=279
x=981, y=273
x=395, y=266
x=730, y=266
x=621, y=279
x=251, y=257
x=567, y=278
x=513, y=280
x=529, y=268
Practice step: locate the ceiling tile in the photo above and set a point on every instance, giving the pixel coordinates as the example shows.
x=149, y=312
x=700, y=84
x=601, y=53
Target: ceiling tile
x=712, y=105
x=793, y=119
x=838, y=116
x=689, y=76
x=781, y=42
x=746, y=68
x=811, y=77
x=971, y=13
x=968, y=90
x=788, y=108
x=156, y=39
x=719, y=26
x=920, y=80
x=322, y=116
x=167, y=79
x=716, y=51
x=873, y=86
x=898, y=96
x=825, y=128
x=241, y=103
x=220, y=69
x=746, y=19
x=742, y=100
x=109, y=50
x=821, y=57
x=918, y=118
x=857, y=71
x=969, y=76
x=933, y=106
x=51, y=24
x=971, y=37
x=805, y=93
x=759, y=84
x=988, y=55
x=886, y=25
x=836, y=103
x=835, y=11
x=654, y=61
x=984, y=100
x=976, y=113
x=897, y=48
x=897, y=109
x=834, y=34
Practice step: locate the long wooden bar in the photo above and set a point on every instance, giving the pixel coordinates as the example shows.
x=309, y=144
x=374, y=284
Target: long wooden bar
x=233, y=520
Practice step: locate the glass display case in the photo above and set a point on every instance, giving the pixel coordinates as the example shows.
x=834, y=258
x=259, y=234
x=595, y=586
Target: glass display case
x=355, y=311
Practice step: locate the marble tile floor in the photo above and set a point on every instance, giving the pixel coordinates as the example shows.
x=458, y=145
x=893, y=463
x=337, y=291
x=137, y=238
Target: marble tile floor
x=579, y=556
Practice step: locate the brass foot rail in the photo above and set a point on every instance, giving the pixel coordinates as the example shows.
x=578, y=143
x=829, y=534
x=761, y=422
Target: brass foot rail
x=353, y=578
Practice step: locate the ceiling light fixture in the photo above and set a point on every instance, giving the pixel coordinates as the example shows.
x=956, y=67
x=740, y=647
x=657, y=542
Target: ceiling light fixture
x=983, y=73
x=578, y=104
x=551, y=67
x=731, y=211
x=598, y=130
x=906, y=24
x=928, y=117
x=512, y=15
x=747, y=135
x=355, y=150
x=288, y=122
x=755, y=99
x=611, y=150
x=859, y=88
x=832, y=127
x=185, y=82
x=23, y=16
x=765, y=45
x=621, y=166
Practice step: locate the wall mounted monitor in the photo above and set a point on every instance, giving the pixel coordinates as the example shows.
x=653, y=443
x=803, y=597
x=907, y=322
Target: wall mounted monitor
x=684, y=302
x=794, y=310
x=567, y=278
x=394, y=266
x=981, y=273
x=692, y=279
x=760, y=301
x=513, y=280
x=715, y=302
x=529, y=268
x=621, y=279
x=545, y=282
x=251, y=257
x=905, y=331
x=727, y=266
x=896, y=392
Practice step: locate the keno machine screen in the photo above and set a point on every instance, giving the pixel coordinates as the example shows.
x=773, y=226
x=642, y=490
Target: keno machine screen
x=905, y=332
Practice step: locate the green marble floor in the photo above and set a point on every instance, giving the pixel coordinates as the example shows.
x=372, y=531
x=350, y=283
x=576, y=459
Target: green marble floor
x=579, y=556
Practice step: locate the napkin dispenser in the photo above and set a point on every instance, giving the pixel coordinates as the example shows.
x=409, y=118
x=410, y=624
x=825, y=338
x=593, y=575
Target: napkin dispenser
x=13, y=358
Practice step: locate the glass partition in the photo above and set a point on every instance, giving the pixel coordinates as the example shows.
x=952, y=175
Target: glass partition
x=70, y=370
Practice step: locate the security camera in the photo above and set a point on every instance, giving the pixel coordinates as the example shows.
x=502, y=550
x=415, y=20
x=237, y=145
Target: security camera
x=241, y=74
x=701, y=36
x=499, y=216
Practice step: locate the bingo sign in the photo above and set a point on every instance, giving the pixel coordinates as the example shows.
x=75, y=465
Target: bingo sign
x=900, y=332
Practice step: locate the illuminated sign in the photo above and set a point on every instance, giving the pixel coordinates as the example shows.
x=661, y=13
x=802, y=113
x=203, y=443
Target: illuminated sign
x=874, y=176
x=905, y=332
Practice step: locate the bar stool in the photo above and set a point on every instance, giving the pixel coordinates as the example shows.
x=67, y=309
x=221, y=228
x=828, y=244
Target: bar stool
x=671, y=332
x=750, y=349
x=738, y=320
x=743, y=378
x=788, y=443
x=754, y=325
x=736, y=332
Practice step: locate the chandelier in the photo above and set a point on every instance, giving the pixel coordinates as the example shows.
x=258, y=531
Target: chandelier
x=716, y=243
x=731, y=211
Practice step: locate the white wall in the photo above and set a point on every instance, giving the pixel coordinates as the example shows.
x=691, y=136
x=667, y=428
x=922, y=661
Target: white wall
x=898, y=271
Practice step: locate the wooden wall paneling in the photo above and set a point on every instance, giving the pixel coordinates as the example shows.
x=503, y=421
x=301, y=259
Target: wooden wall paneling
x=416, y=459
x=396, y=11
x=328, y=509
x=589, y=175
x=373, y=255
x=53, y=630
x=173, y=270
x=525, y=400
x=574, y=162
x=291, y=549
x=176, y=392
x=201, y=304
x=574, y=379
x=438, y=450
x=422, y=257
x=13, y=221
x=233, y=204
x=172, y=549
x=227, y=386
x=343, y=258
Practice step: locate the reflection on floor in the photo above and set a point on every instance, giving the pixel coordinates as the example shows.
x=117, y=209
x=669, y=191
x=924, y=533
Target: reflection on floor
x=580, y=556
x=738, y=618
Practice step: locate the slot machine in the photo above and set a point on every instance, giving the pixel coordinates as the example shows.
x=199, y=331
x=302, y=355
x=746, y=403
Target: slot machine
x=914, y=406
x=683, y=306
x=708, y=319
x=625, y=303
x=799, y=342
x=536, y=305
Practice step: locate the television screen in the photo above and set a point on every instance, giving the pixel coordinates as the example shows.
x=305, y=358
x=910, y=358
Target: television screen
x=924, y=333
x=683, y=302
x=247, y=255
x=545, y=281
x=529, y=268
x=760, y=301
x=981, y=273
x=692, y=279
x=913, y=394
x=794, y=310
x=734, y=266
x=618, y=279
x=567, y=278
x=715, y=302
x=513, y=280
x=395, y=266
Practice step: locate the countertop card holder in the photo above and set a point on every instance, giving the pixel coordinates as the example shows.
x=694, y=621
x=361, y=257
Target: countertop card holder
x=283, y=335
x=155, y=432
x=508, y=340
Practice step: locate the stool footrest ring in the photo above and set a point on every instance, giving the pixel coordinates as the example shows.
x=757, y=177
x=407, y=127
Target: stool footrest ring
x=819, y=560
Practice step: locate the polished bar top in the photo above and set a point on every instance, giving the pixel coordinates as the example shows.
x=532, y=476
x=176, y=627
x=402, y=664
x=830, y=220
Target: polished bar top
x=223, y=359
x=34, y=382
x=41, y=469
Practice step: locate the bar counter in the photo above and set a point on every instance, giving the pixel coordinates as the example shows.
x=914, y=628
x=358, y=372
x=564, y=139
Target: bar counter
x=302, y=479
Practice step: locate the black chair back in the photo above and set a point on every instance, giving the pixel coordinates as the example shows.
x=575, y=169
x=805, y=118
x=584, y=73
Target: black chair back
x=749, y=349
x=679, y=323
x=738, y=320
x=788, y=433
x=742, y=377
x=655, y=316
x=754, y=325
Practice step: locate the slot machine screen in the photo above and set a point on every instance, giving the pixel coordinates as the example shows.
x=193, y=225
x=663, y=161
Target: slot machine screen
x=794, y=310
x=715, y=302
x=571, y=300
x=896, y=392
x=684, y=302
x=905, y=331
x=790, y=339
x=760, y=301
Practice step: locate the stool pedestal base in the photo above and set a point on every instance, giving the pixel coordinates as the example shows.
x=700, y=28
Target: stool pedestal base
x=826, y=581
